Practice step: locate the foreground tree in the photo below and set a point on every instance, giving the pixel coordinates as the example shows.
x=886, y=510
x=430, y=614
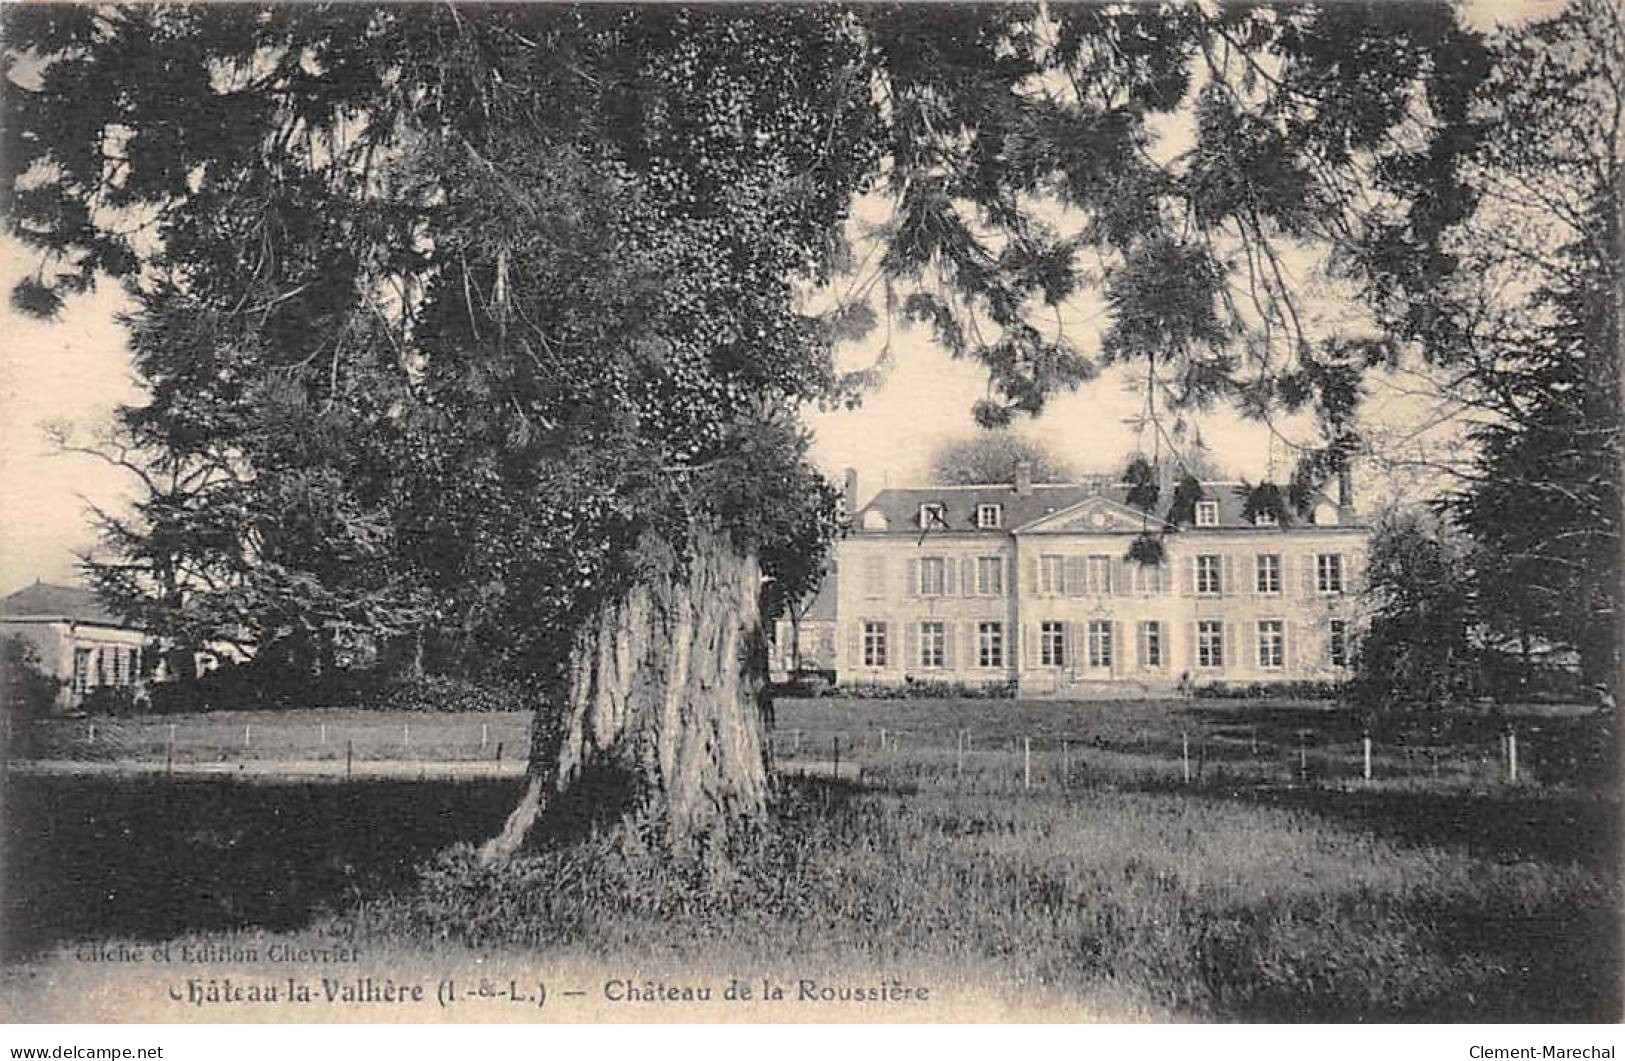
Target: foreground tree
x=510, y=297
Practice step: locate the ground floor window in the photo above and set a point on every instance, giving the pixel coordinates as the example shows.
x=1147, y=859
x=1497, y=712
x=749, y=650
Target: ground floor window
x=1052, y=644
x=1100, y=643
x=81, y=669
x=1151, y=643
x=874, y=644
x=1210, y=643
x=990, y=644
x=1337, y=642
x=933, y=645
x=1271, y=643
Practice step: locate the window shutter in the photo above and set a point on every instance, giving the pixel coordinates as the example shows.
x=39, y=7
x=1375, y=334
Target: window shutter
x=911, y=647
x=948, y=645
x=854, y=645
x=1258, y=646
x=1353, y=573
x=1227, y=578
x=1286, y=574
x=1231, y=644
x=1249, y=581
x=1191, y=657
x=1118, y=648
x=1029, y=656
x=1289, y=662
x=1010, y=576
x=1124, y=585
x=1309, y=565
x=948, y=580
x=1190, y=577
x=911, y=579
x=1142, y=651
x=1069, y=645
x=1033, y=587
x=967, y=578
x=1165, y=577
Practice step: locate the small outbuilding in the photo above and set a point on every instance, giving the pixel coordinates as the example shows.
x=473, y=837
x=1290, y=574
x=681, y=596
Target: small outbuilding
x=77, y=639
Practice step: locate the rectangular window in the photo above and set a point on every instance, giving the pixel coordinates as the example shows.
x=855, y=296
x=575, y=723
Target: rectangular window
x=1052, y=644
x=1337, y=642
x=1052, y=574
x=1210, y=643
x=990, y=644
x=1100, y=574
x=874, y=644
x=1269, y=573
x=989, y=516
x=1151, y=643
x=1207, y=576
x=81, y=669
x=1266, y=519
x=990, y=576
x=1271, y=643
x=1329, y=572
x=933, y=576
x=1207, y=513
x=933, y=514
x=1100, y=643
x=933, y=645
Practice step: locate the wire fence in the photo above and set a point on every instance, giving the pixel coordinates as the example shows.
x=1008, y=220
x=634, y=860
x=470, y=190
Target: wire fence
x=1038, y=752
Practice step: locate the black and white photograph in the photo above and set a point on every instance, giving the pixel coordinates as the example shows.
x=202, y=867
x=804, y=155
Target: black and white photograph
x=812, y=513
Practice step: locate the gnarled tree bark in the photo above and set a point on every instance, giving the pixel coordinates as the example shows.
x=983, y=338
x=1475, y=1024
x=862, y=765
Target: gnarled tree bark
x=665, y=692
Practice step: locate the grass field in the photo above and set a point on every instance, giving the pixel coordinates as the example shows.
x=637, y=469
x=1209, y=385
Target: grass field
x=1262, y=889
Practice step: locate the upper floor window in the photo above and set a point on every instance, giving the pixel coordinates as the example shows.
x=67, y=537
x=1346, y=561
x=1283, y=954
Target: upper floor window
x=1100, y=574
x=1207, y=513
x=1269, y=573
x=1052, y=574
x=1266, y=519
x=933, y=576
x=1208, y=578
x=990, y=576
x=874, y=576
x=1329, y=572
x=933, y=514
x=990, y=515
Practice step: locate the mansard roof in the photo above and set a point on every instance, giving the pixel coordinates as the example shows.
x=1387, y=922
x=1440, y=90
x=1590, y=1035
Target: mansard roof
x=901, y=507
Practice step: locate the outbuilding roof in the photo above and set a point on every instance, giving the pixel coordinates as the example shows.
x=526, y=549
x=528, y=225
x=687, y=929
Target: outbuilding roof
x=44, y=601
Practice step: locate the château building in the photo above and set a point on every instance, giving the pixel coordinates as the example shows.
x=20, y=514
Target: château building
x=1032, y=583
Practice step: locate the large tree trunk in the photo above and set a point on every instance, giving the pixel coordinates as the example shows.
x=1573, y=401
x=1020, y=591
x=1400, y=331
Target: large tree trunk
x=664, y=700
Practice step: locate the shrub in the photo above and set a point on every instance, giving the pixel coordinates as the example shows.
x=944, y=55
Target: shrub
x=928, y=688
x=27, y=690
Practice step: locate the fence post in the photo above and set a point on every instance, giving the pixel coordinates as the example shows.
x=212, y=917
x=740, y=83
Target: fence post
x=485, y=735
x=1066, y=764
x=1512, y=755
x=406, y=734
x=247, y=734
x=798, y=743
x=1367, y=742
x=1303, y=758
x=1027, y=763
x=835, y=756
x=91, y=739
x=324, y=732
x=169, y=752
x=498, y=759
x=349, y=758
x=882, y=740
x=1252, y=732
x=1185, y=754
x=959, y=755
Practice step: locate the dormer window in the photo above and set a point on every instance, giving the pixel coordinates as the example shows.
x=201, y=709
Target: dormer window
x=1266, y=519
x=933, y=514
x=990, y=516
x=1207, y=513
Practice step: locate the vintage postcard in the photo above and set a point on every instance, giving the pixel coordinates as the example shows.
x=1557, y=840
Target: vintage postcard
x=817, y=513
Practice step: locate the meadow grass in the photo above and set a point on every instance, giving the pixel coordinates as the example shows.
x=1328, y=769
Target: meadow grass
x=1252, y=893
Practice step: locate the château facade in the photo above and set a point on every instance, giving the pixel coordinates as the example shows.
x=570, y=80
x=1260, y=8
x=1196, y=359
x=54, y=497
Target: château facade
x=1032, y=583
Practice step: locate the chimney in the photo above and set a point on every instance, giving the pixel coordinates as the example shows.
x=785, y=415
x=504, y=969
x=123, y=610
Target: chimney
x=1345, y=488
x=1024, y=477
x=849, y=495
